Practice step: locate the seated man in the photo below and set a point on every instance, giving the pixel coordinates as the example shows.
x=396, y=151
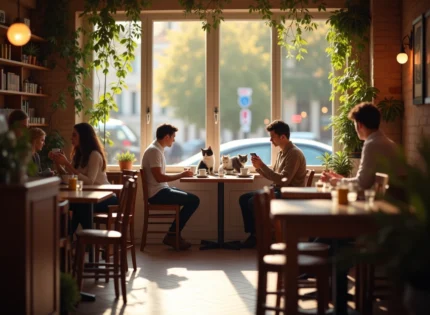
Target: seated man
x=159, y=192
x=289, y=170
x=367, y=118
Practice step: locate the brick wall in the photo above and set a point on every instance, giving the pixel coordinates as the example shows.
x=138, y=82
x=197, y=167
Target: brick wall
x=417, y=117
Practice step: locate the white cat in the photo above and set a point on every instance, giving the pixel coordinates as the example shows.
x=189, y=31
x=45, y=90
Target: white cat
x=207, y=161
x=226, y=163
x=234, y=163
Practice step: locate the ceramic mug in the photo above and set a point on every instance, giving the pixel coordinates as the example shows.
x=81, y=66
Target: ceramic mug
x=244, y=171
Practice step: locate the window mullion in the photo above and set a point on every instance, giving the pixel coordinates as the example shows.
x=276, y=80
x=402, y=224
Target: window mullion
x=276, y=86
x=146, y=80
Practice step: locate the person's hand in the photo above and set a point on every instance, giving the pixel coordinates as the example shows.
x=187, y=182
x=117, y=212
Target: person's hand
x=187, y=174
x=256, y=161
x=60, y=158
x=325, y=176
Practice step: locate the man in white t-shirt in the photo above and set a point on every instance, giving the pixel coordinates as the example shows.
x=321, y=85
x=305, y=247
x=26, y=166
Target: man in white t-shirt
x=159, y=192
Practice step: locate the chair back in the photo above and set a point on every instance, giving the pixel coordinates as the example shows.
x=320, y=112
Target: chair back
x=309, y=177
x=134, y=175
x=125, y=206
x=381, y=184
x=263, y=223
x=144, y=189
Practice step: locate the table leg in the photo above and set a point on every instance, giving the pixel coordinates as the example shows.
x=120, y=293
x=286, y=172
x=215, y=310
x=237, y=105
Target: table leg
x=220, y=243
x=291, y=271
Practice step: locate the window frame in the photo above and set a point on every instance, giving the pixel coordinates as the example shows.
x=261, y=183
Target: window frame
x=212, y=78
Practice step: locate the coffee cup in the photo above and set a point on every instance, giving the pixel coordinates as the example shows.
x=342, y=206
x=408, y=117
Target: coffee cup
x=202, y=172
x=221, y=173
x=244, y=171
x=193, y=169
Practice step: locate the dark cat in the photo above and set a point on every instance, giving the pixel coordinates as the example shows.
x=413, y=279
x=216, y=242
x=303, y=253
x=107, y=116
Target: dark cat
x=207, y=161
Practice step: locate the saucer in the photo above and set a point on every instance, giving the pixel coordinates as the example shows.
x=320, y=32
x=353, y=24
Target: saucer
x=202, y=176
x=244, y=176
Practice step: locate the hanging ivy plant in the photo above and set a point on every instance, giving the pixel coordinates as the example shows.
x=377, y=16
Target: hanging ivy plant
x=209, y=11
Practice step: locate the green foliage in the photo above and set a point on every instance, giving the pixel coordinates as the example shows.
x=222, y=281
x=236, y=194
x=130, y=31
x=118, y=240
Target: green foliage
x=294, y=21
x=31, y=49
x=209, y=11
x=338, y=162
x=402, y=240
x=348, y=28
x=69, y=293
x=125, y=157
x=391, y=109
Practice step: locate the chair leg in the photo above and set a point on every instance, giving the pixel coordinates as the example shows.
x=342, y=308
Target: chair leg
x=177, y=230
x=144, y=233
x=133, y=247
x=123, y=266
x=322, y=290
x=97, y=253
x=261, y=290
x=115, y=269
x=80, y=263
x=107, y=260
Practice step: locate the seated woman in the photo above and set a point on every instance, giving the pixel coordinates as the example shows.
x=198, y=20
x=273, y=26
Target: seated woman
x=37, y=140
x=88, y=161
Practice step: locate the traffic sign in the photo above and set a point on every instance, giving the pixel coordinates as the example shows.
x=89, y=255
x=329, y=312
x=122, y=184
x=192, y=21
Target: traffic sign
x=245, y=117
x=244, y=97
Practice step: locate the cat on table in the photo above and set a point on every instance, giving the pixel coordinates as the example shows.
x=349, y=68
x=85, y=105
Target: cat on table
x=208, y=160
x=236, y=162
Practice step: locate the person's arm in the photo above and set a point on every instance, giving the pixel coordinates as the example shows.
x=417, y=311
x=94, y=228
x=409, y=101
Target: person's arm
x=162, y=178
x=366, y=171
x=95, y=166
x=288, y=170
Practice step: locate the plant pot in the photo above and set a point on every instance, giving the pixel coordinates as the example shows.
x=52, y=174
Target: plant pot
x=416, y=301
x=125, y=165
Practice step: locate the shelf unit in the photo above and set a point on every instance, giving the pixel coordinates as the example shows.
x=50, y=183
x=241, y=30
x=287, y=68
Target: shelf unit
x=13, y=99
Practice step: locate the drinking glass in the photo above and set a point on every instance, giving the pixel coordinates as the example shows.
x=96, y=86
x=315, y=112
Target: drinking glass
x=369, y=195
x=79, y=185
x=353, y=192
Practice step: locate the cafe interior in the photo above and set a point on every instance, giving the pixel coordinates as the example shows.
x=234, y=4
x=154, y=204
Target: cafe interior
x=220, y=71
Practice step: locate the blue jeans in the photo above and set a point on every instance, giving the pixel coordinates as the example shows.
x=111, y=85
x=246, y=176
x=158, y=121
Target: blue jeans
x=175, y=196
x=246, y=202
x=81, y=212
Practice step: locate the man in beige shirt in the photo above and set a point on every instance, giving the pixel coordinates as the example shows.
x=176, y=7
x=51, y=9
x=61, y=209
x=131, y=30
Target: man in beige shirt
x=289, y=170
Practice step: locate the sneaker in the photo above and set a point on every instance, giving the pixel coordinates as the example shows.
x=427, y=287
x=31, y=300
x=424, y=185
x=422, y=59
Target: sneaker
x=170, y=240
x=250, y=242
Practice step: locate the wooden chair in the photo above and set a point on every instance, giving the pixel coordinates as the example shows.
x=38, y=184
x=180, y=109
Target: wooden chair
x=310, y=177
x=270, y=262
x=65, y=246
x=109, y=218
x=157, y=212
x=117, y=237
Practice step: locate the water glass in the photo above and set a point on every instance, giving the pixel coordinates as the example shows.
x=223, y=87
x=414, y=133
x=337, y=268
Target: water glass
x=369, y=195
x=79, y=185
x=353, y=192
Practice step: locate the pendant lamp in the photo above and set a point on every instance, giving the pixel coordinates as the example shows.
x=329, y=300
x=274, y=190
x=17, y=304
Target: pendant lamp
x=18, y=33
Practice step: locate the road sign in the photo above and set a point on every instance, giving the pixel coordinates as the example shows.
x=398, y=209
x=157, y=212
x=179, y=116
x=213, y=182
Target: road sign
x=245, y=118
x=244, y=97
x=296, y=119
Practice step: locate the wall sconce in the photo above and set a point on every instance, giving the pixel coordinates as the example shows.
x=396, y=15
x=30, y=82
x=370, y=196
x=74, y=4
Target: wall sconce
x=18, y=33
x=402, y=57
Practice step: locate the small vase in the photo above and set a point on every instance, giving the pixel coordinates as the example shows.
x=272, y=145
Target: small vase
x=125, y=165
x=416, y=301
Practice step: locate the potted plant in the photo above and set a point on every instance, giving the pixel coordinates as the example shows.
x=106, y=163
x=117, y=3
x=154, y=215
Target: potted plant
x=31, y=50
x=391, y=109
x=69, y=294
x=125, y=160
x=401, y=245
x=338, y=162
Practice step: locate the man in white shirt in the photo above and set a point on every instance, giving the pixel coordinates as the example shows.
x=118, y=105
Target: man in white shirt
x=159, y=192
x=377, y=147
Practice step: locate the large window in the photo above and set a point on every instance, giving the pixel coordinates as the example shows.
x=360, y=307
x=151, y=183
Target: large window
x=222, y=89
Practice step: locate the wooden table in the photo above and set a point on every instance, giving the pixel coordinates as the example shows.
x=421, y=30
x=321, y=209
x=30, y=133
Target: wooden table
x=304, y=193
x=322, y=218
x=116, y=188
x=220, y=181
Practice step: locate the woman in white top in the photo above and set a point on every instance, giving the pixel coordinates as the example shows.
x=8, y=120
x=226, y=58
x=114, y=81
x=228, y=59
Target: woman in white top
x=89, y=163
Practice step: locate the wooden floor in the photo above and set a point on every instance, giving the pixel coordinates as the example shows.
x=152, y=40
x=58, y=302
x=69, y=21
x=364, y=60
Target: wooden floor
x=187, y=282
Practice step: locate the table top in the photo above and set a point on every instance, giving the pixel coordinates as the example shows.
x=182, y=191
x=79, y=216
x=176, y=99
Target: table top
x=304, y=193
x=84, y=196
x=106, y=187
x=282, y=208
x=217, y=179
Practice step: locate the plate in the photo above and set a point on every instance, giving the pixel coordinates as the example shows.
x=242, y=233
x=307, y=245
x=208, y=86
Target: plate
x=244, y=176
x=202, y=176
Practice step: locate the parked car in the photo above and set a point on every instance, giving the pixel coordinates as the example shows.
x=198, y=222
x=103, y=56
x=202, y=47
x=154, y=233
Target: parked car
x=262, y=147
x=123, y=139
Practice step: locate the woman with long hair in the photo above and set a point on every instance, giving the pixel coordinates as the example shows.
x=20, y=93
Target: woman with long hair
x=88, y=162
